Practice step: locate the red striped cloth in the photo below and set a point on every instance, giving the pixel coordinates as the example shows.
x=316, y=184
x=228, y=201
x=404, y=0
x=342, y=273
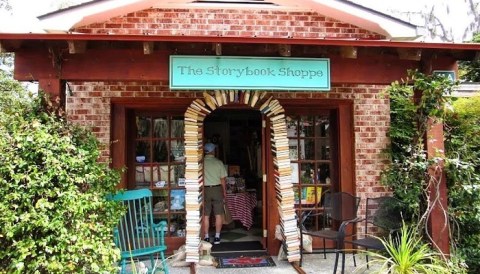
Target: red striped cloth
x=241, y=207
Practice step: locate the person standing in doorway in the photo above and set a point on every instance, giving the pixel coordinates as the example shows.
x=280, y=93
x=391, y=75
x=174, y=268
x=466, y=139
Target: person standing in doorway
x=215, y=191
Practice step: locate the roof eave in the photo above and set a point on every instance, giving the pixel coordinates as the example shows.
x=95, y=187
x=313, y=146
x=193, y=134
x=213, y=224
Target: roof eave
x=369, y=19
x=89, y=13
x=246, y=40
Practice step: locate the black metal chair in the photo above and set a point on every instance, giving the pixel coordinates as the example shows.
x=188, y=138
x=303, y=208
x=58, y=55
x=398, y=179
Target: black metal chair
x=386, y=214
x=337, y=208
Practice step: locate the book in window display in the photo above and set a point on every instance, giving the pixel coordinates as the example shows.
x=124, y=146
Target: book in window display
x=177, y=199
x=293, y=152
x=312, y=195
x=307, y=195
x=294, y=176
x=167, y=173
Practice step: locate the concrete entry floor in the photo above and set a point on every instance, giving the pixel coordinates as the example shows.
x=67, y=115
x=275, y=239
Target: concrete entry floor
x=312, y=264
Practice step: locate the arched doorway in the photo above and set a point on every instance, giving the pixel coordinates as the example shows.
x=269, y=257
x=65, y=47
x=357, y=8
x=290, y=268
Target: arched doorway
x=195, y=114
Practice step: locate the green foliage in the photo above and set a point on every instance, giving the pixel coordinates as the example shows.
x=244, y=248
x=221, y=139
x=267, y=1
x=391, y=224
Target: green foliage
x=54, y=216
x=407, y=254
x=462, y=135
x=408, y=173
x=470, y=70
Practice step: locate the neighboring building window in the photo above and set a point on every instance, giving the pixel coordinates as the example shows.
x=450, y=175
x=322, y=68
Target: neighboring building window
x=310, y=145
x=160, y=166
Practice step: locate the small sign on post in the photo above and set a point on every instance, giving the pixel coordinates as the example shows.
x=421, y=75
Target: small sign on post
x=450, y=74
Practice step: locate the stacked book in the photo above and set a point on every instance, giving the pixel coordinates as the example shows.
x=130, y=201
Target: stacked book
x=223, y=97
x=194, y=117
x=283, y=178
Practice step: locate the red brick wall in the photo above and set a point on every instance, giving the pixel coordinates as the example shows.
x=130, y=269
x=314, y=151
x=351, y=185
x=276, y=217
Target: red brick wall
x=229, y=22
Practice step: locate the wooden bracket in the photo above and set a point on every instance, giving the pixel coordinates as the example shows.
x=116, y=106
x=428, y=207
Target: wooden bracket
x=9, y=45
x=285, y=50
x=349, y=52
x=410, y=54
x=148, y=47
x=476, y=58
x=217, y=47
x=75, y=47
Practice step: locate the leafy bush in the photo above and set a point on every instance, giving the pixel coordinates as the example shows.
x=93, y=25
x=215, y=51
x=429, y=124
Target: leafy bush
x=407, y=174
x=54, y=218
x=470, y=70
x=408, y=254
x=462, y=143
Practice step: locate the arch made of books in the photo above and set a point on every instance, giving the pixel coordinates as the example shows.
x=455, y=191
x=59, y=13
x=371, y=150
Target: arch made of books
x=194, y=117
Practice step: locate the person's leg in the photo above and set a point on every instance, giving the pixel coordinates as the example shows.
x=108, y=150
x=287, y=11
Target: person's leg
x=207, y=212
x=217, y=203
x=206, y=224
x=218, y=224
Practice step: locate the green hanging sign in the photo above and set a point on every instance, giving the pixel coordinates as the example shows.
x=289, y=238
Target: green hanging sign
x=249, y=73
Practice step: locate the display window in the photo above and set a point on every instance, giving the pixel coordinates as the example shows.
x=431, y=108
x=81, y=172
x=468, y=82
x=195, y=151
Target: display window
x=159, y=163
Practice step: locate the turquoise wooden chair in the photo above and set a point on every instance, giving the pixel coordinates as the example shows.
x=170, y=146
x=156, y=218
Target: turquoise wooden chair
x=136, y=234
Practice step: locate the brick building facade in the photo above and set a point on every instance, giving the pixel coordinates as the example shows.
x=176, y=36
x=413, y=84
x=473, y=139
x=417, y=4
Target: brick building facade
x=110, y=65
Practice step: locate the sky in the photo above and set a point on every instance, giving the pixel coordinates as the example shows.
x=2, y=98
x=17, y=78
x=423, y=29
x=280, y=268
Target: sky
x=454, y=14
x=455, y=20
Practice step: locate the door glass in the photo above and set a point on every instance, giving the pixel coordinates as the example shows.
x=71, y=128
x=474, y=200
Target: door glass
x=160, y=151
x=142, y=152
x=159, y=164
x=310, y=142
x=143, y=126
x=160, y=128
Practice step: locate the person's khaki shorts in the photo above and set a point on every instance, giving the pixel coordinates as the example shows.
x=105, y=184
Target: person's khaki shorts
x=214, y=199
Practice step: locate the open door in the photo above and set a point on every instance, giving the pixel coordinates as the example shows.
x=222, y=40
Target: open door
x=264, y=181
x=239, y=137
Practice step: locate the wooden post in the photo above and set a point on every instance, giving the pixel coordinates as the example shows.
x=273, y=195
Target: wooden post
x=437, y=223
x=438, y=220
x=55, y=88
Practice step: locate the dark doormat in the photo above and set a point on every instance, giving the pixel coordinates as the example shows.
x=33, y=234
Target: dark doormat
x=238, y=246
x=245, y=261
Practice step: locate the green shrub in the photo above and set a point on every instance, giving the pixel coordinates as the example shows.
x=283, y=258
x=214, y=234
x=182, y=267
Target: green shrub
x=54, y=218
x=408, y=175
x=408, y=254
x=462, y=143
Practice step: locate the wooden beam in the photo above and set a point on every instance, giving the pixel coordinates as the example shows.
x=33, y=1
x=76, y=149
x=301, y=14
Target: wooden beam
x=349, y=52
x=285, y=50
x=132, y=65
x=10, y=45
x=409, y=54
x=76, y=47
x=94, y=65
x=148, y=47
